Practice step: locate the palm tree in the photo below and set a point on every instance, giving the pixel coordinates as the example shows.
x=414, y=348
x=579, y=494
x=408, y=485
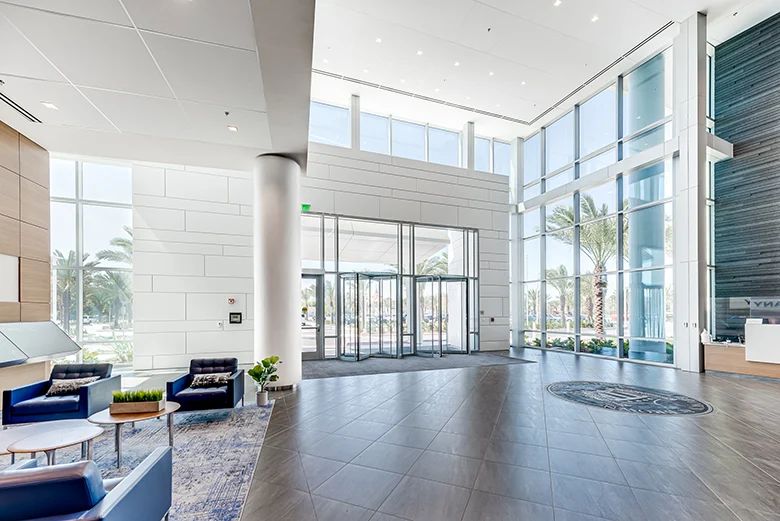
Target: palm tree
x=112, y=294
x=598, y=241
x=67, y=284
x=559, y=279
x=123, y=249
x=438, y=264
x=531, y=304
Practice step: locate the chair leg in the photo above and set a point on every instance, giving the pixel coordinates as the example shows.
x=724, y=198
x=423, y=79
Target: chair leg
x=242, y=401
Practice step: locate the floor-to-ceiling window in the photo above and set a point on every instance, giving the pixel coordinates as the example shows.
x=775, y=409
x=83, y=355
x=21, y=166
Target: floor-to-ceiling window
x=92, y=257
x=597, y=261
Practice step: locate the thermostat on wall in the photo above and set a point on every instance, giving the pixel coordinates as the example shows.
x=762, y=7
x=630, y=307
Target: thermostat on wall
x=235, y=318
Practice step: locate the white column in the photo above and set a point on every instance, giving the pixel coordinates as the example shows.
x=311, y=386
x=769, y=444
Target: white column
x=277, y=263
x=690, y=174
x=467, y=146
x=354, y=119
x=516, y=243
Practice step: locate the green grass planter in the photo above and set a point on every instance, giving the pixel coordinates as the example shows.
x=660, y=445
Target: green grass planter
x=137, y=402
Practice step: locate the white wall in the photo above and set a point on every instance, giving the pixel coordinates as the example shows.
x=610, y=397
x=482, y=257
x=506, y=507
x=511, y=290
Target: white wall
x=193, y=242
x=362, y=184
x=192, y=251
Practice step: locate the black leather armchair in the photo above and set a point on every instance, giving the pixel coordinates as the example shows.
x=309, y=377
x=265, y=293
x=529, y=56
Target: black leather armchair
x=218, y=397
x=29, y=403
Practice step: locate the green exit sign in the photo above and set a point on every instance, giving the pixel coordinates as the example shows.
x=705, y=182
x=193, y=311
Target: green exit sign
x=305, y=207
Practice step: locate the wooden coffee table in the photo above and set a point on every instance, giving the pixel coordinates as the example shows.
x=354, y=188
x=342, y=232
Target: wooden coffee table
x=13, y=434
x=49, y=442
x=105, y=417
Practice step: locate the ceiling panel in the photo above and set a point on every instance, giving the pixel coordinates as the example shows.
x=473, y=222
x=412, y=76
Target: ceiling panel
x=142, y=114
x=209, y=73
x=94, y=54
x=74, y=109
x=102, y=10
x=227, y=22
x=25, y=60
x=211, y=124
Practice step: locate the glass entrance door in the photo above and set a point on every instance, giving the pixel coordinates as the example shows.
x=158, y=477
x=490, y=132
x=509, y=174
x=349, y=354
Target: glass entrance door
x=442, y=315
x=312, y=315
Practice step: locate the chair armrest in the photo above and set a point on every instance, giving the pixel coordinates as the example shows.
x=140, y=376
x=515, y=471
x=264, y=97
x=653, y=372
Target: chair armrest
x=98, y=395
x=236, y=386
x=176, y=386
x=13, y=396
x=146, y=493
x=21, y=465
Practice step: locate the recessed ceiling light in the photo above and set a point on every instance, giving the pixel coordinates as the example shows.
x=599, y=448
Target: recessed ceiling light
x=490, y=73
x=595, y=18
x=403, y=80
x=436, y=89
x=49, y=105
x=366, y=71
x=498, y=104
x=419, y=53
x=557, y=3
x=457, y=64
x=232, y=128
x=522, y=83
x=378, y=40
x=468, y=97
x=325, y=60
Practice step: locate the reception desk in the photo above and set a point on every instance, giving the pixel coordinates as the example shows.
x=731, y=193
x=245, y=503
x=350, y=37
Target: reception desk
x=762, y=343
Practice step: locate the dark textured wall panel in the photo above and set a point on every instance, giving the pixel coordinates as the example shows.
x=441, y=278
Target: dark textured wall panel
x=747, y=187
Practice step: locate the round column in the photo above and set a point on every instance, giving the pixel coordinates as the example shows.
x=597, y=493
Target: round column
x=277, y=264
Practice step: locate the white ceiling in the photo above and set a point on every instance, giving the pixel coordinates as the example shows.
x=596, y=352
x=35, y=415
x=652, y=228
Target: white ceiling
x=552, y=49
x=148, y=80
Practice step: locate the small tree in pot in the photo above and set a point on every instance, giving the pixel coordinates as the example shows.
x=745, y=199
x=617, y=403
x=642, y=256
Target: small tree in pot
x=264, y=373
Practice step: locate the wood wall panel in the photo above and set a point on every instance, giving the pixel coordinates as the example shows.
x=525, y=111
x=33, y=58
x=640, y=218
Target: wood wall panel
x=9, y=193
x=35, y=281
x=35, y=204
x=9, y=148
x=33, y=312
x=25, y=374
x=10, y=311
x=33, y=162
x=35, y=242
x=9, y=236
x=747, y=187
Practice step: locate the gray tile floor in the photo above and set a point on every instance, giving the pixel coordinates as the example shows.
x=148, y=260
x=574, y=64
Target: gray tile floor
x=488, y=443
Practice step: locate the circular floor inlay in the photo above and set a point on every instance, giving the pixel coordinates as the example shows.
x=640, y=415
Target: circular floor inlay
x=628, y=398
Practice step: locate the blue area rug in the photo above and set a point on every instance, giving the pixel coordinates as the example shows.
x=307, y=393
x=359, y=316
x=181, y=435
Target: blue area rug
x=215, y=453
x=628, y=398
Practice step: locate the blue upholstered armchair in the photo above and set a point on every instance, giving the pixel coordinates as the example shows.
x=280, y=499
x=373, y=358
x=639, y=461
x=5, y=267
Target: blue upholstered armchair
x=76, y=491
x=29, y=403
x=217, y=397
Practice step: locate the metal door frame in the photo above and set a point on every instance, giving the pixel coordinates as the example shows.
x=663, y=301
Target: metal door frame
x=319, y=299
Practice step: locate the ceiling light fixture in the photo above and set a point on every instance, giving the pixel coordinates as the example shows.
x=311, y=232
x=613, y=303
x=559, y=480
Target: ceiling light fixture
x=325, y=60
x=595, y=18
x=457, y=64
x=522, y=83
x=50, y=105
x=366, y=71
x=557, y=3
x=490, y=73
x=232, y=128
x=403, y=80
x=436, y=89
x=419, y=53
x=378, y=40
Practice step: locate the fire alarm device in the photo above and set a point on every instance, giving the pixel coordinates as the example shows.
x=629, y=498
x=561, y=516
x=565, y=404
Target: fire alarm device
x=231, y=301
x=235, y=318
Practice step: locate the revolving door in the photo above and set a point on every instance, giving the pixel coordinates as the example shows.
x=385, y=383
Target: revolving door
x=442, y=312
x=369, y=313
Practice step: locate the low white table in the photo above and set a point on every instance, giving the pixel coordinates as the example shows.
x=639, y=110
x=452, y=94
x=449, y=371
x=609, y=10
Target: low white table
x=49, y=442
x=11, y=435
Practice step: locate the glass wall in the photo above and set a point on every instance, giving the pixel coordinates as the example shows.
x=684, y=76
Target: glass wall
x=597, y=269
x=337, y=247
x=329, y=124
x=92, y=257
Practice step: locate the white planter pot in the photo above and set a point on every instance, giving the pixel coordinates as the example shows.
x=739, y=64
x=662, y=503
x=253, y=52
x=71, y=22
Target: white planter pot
x=262, y=398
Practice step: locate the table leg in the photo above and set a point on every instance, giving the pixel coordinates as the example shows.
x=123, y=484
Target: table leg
x=118, y=444
x=170, y=429
x=13, y=458
x=83, y=450
x=51, y=457
x=90, y=450
x=32, y=455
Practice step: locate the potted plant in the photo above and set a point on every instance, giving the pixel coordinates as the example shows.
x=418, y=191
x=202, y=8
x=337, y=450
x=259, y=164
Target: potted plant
x=264, y=373
x=133, y=402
